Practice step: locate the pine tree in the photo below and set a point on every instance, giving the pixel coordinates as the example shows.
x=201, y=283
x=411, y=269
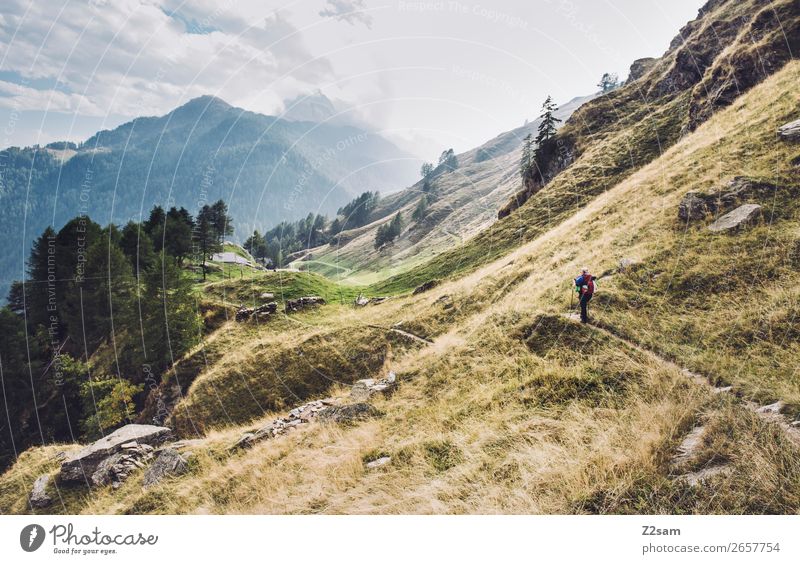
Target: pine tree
x=526, y=161
x=547, y=127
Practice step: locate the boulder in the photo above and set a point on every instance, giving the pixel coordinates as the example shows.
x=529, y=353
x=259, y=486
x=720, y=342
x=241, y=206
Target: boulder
x=361, y=300
x=267, y=296
x=81, y=466
x=790, y=131
x=39, y=497
x=349, y=413
x=169, y=462
x=378, y=300
x=739, y=218
x=425, y=286
x=303, y=303
x=692, y=207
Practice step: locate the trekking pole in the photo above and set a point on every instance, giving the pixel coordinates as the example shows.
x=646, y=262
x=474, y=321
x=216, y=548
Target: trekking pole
x=571, y=298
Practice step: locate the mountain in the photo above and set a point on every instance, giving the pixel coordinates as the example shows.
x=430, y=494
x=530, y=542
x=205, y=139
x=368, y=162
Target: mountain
x=267, y=169
x=465, y=384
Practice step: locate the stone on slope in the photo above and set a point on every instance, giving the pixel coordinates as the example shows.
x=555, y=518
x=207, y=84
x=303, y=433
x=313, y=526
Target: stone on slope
x=81, y=466
x=739, y=218
x=349, y=413
x=303, y=303
x=382, y=461
x=692, y=207
x=790, y=131
x=425, y=286
x=169, y=462
x=365, y=388
x=39, y=497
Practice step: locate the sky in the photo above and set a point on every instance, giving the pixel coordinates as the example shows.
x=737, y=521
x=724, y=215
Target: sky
x=427, y=74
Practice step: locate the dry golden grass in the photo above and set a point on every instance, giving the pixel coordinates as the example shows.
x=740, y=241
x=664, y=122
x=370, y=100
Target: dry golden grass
x=514, y=409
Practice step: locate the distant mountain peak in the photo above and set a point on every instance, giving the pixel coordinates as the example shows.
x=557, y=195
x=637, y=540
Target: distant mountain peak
x=315, y=106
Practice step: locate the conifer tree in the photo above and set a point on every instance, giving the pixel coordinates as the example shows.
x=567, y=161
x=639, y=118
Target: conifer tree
x=547, y=127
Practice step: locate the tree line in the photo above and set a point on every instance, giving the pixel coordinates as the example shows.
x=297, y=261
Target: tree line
x=99, y=320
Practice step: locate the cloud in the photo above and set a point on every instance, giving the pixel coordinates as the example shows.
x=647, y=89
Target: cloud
x=350, y=11
x=144, y=57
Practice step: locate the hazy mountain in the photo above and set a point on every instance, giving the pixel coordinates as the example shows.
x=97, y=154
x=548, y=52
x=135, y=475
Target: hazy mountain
x=267, y=169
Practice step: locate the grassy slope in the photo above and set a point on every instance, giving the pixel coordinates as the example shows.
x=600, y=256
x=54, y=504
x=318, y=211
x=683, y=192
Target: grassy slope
x=515, y=410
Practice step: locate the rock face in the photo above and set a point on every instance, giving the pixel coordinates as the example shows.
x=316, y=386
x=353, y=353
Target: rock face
x=260, y=312
x=169, y=462
x=790, y=131
x=639, y=67
x=425, y=286
x=303, y=303
x=349, y=413
x=39, y=497
x=363, y=389
x=82, y=465
x=739, y=218
x=298, y=416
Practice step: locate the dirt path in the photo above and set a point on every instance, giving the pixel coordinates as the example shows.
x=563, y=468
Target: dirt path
x=770, y=413
x=406, y=334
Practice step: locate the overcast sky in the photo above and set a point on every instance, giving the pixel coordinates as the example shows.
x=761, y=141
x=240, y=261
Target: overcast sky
x=429, y=74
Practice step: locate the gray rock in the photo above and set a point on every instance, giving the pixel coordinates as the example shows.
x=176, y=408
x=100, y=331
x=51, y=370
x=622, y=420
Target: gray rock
x=382, y=461
x=361, y=300
x=81, y=465
x=262, y=311
x=692, y=207
x=365, y=388
x=298, y=416
x=739, y=218
x=267, y=296
x=790, y=131
x=349, y=413
x=303, y=303
x=169, y=462
x=39, y=497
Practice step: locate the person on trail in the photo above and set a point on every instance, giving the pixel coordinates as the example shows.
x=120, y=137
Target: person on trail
x=585, y=287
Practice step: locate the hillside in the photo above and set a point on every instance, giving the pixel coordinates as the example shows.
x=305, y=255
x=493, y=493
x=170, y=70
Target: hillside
x=460, y=204
x=199, y=152
x=487, y=396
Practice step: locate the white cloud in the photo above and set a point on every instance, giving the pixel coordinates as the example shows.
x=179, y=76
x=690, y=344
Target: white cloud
x=350, y=11
x=133, y=57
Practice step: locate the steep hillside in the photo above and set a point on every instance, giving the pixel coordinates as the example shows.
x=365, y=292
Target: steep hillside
x=514, y=407
x=458, y=204
x=198, y=153
x=609, y=138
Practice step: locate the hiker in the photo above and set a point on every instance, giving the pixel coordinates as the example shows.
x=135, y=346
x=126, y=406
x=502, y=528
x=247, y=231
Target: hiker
x=585, y=287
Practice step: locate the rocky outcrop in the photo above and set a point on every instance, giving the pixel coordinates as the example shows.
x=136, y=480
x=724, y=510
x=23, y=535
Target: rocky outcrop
x=741, y=217
x=626, y=264
x=425, y=286
x=260, y=312
x=305, y=302
x=347, y=414
x=639, y=67
x=169, y=462
x=361, y=300
x=790, y=131
x=364, y=389
x=298, y=416
x=39, y=497
x=82, y=465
